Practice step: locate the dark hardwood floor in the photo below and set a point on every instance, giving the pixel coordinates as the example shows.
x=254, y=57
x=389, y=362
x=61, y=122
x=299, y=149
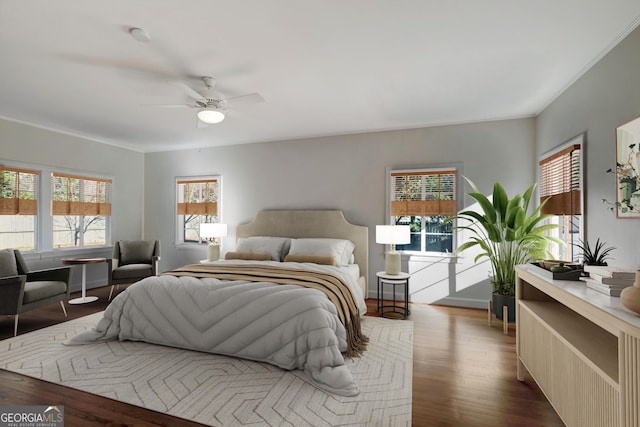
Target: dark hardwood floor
x=463, y=374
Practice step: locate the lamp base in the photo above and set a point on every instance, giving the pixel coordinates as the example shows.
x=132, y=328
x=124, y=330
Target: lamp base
x=392, y=262
x=213, y=252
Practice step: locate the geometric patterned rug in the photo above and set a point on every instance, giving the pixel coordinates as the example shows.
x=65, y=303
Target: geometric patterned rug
x=219, y=390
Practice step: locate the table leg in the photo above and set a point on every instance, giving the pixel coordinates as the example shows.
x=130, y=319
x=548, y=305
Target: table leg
x=520, y=370
x=406, y=299
x=84, y=281
x=84, y=299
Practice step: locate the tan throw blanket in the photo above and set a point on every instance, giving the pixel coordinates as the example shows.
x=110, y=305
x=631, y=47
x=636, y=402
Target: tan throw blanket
x=335, y=289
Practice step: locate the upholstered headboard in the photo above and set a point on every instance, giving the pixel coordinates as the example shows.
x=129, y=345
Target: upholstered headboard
x=311, y=223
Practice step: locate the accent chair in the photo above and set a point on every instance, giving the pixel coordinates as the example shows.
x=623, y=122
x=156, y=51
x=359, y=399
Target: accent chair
x=22, y=289
x=132, y=260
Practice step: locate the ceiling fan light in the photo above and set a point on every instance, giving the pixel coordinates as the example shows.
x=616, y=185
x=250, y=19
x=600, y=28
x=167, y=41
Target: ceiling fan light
x=210, y=115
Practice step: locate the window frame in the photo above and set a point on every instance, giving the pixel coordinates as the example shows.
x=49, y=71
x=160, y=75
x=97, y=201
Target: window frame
x=30, y=209
x=44, y=217
x=572, y=251
x=82, y=207
x=428, y=169
x=179, y=229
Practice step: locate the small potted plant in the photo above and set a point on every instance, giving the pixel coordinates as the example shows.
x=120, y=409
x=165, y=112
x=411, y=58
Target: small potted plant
x=596, y=256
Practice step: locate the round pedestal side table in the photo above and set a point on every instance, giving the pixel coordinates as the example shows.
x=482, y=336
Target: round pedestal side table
x=393, y=311
x=83, y=262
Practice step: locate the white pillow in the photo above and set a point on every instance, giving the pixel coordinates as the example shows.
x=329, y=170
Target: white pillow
x=340, y=249
x=275, y=246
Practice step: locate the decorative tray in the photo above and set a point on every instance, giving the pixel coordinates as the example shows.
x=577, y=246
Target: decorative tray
x=574, y=274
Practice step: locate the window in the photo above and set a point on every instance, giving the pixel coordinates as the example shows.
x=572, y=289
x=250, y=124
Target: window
x=561, y=183
x=18, y=208
x=198, y=202
x=423, y=199
x=42, y=209
x=81, y=209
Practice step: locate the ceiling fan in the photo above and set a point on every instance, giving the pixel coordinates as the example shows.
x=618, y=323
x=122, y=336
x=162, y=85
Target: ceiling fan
x=211, y=106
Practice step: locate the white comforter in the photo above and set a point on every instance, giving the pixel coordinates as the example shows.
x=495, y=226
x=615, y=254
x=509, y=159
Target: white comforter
x=289, y=326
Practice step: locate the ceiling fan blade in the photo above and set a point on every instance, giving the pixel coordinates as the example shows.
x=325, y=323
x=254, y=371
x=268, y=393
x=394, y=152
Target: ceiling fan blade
x=250, y=99
x=192, y=93
x=170, y=106
x=138, y=68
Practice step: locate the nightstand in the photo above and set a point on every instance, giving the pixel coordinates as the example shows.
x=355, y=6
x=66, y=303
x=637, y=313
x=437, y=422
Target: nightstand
x=393, y=311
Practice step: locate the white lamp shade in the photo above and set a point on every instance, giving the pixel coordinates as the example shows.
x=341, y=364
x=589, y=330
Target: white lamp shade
x=213, y=230
x=393, y=234
x=211, y=115
x=208, y=230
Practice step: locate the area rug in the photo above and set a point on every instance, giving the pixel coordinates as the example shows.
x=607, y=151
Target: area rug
x=218, y=390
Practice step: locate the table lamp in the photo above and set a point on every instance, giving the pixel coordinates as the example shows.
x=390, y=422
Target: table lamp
x=392, y=235
x=213, y=231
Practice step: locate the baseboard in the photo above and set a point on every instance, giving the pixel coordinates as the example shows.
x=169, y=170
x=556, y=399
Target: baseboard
x=451, y=301
x=77, y=287
x=463, y=302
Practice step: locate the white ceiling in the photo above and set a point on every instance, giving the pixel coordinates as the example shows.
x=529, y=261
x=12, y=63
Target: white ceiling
x=324, y=67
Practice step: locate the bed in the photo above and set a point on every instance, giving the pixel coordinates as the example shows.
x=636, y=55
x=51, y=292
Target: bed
x=290, y=294
x=312, y=223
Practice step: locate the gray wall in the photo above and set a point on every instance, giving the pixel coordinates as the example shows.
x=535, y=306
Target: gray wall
x=603, y=98
x=348, y=173
x=36, y=146
x=341, y=172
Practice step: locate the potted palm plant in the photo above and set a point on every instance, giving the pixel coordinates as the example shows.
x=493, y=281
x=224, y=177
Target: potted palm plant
x=507, y=236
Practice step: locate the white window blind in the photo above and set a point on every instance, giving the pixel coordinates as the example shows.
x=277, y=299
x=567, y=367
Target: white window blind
x=80, y=195
x=560, y=182
x=18, y=191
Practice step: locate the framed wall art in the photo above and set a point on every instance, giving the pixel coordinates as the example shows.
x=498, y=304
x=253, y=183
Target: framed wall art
x=628, y=169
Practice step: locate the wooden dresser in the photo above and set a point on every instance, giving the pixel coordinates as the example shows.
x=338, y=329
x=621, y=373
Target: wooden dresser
x=581, y=347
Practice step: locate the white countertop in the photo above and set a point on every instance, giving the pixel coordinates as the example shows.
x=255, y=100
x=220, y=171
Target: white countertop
x=605, y=303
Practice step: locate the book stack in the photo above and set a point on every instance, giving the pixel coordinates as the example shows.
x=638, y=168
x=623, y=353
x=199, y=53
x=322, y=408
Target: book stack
x=608, y=280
